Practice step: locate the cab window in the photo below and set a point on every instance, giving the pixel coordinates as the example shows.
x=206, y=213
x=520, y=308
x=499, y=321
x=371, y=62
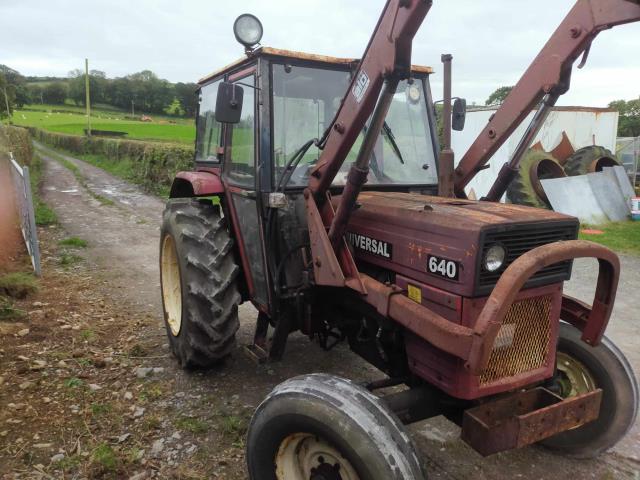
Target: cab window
x=241, y=169
x=208, y=129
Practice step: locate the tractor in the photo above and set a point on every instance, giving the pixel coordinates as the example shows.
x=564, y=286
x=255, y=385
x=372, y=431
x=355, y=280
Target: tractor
x=322, y=194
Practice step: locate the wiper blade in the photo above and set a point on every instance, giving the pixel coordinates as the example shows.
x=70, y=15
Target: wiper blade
x=386, y=129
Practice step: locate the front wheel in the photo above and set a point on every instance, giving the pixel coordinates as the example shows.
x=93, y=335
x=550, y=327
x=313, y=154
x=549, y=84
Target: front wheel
x=582, y=368
x=322, y=427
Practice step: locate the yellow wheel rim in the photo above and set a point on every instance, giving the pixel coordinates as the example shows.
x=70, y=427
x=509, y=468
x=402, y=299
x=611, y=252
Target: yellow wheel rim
x=577, y=378
x=303, y=456
x=171, y=287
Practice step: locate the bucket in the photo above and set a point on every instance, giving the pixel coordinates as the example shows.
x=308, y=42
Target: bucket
x=635, y=204
x=635, y=215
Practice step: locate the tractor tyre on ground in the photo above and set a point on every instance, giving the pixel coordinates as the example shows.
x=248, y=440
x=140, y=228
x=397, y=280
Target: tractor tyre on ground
x=590, y=159
x=582, y=368
x=526, y=189
x=320, y=426
x=198, y=276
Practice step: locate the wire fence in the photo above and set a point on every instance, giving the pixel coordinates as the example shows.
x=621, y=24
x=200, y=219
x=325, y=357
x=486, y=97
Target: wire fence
x=24, y=203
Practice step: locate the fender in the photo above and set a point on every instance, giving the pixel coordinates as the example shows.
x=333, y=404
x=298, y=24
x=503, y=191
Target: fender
x=196, y=184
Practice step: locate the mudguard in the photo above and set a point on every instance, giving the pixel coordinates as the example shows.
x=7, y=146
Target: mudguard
x=196, y=184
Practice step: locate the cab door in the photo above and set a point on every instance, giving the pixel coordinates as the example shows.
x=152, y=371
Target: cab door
x=239, y=175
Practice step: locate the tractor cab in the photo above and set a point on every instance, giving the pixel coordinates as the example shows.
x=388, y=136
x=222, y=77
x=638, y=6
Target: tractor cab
x=284, y=101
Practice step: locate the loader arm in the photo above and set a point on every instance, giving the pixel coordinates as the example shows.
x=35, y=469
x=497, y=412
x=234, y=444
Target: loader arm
x=386, y=61
x=542, y=83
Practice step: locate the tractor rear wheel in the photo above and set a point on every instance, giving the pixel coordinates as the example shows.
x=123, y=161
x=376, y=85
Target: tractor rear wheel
x=322, y=427
x=198, y=277
x=526, y=189
x=590, y=159
x=582, y=368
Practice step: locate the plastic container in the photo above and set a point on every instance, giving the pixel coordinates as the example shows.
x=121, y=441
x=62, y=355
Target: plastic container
x=635, y=204
x=635, y=215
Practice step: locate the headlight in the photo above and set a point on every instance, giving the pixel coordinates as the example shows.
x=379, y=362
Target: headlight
x=494, y=258
x=248, y=30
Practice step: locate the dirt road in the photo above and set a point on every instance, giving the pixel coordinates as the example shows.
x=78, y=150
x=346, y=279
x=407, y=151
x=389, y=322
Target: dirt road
x=123, y=240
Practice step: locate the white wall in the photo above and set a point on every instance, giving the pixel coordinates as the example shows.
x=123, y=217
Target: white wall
x=584, y=126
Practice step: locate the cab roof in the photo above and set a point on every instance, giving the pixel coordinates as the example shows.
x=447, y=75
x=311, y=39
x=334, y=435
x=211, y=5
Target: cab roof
x=276, y=52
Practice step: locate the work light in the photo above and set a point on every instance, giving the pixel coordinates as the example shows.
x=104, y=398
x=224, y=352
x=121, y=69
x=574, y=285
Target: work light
x=248, y=30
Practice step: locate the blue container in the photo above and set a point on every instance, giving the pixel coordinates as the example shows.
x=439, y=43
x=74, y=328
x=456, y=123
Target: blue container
x=635, y=215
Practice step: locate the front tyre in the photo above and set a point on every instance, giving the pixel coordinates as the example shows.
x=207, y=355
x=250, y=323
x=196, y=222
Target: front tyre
x=322, y=427
x=198, y=276
x=581, y=369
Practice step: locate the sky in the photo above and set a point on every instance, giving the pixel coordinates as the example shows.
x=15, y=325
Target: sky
x=182, y=40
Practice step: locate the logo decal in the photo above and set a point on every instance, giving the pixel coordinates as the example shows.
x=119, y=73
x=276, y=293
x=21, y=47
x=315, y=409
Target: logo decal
x=361, y=85
x=442, y=267
x=370, y=245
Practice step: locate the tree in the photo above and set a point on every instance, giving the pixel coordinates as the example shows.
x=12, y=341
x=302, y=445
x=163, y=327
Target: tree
x=629, y=122
x=97, y=86
x=55, y=93
x=498, y=96
x=186, y=94
x=12, y=86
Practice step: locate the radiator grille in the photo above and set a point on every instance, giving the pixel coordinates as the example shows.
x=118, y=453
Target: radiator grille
x=523, y=341
x=519, y=239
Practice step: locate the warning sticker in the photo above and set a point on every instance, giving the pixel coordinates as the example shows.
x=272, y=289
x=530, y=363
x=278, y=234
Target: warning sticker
x=414, y=293
x=361, y=85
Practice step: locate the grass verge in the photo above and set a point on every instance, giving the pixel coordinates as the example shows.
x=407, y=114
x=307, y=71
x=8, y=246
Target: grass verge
x=622, y=237
x=43, y=213
x=18, y=284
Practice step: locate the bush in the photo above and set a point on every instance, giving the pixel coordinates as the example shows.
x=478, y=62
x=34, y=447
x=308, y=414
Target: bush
x=153, y=163
x=18, y=141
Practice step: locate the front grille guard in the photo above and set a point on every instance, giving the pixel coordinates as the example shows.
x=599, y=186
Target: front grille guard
x=474, y=345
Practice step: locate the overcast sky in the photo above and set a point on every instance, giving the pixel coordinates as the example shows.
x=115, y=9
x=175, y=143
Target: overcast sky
x=492, y=41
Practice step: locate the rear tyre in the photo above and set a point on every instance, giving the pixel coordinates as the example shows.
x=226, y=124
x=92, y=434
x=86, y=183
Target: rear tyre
x=526, y=189
x=581, y=369
x=322, y=427
x=198, y=277
x=590, y=159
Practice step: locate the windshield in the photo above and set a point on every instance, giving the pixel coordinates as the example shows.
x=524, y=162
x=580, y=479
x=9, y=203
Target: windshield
x=305, y=101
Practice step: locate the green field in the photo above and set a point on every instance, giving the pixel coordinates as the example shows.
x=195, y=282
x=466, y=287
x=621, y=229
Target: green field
x=71, y=119
x=619, y=236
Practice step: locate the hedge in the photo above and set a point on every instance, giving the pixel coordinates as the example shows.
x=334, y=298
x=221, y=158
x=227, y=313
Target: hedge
x=153, y=164
x=16, y=140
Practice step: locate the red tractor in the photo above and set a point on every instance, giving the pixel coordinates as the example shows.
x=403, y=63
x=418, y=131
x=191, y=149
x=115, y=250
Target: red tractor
x=321, y=196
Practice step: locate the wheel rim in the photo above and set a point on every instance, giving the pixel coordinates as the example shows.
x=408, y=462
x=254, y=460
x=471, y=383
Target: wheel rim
x=575, y=378
x=171, y=288
x=303, y=456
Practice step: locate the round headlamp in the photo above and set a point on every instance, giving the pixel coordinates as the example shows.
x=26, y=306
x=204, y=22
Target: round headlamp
x=494, y=258
x=248, y=30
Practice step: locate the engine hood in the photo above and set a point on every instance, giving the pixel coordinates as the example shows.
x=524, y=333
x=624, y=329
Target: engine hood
x=401, y=231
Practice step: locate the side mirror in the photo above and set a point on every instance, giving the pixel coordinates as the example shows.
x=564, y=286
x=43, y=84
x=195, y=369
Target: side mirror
x=458, y=114
x=229, y=103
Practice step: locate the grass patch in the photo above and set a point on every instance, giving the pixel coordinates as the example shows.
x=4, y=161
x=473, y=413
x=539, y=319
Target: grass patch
x=103, y=456
x=619, y=236
x=43, y=213
x=99, y=409
x=193, y=425
x=73, y=242
x=68, y=463
x=18, y=284
x=88, y=335
x=8, y=311
x=236, y=427
x=73, y=382
x=67, y=259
